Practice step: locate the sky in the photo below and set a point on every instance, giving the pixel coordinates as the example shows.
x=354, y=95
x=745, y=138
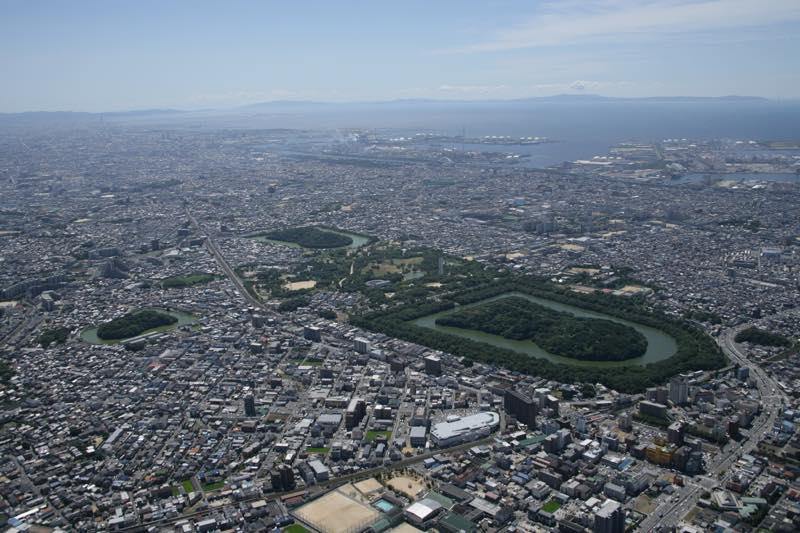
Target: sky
x=113, y=55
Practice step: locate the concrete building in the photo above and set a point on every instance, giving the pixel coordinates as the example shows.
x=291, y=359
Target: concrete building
x=361, y=345
x=610, y=518
x=522, y=407
x=312, y=333
x=653, y=409
x=678, y=390
x=249, y=405
x=418, y=436
x=464, y=429
x=355, y=412
x=423, y=511
x=433, y=365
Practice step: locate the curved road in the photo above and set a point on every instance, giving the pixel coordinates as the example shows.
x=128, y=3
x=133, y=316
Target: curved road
x=669, y=513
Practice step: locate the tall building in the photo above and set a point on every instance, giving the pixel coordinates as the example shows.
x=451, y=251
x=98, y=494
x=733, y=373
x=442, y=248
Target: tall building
x=312, y=333
x=433, y=365
x=522, y=407
x=580, y=424
x=657, y=394
x=675, y=433
x=624, y=421
x=657, y=410
x=282, y=478
x=610, y=518
x=361, y=345
x=249, y=405
x=678, y=390
x=356, y=410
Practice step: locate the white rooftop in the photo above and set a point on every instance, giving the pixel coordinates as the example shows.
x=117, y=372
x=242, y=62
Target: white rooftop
x=446, y=430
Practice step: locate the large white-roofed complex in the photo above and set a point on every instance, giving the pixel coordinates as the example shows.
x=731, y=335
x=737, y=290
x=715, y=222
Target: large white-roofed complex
x=464, y=429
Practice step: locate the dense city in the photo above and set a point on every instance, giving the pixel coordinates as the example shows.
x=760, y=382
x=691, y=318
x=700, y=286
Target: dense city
x=220, y=329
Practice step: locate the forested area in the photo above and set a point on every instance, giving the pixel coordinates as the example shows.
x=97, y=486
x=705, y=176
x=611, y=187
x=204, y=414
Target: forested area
x=762, y=337
x=133, y=324
x=292, y=304
x=695, y=349
x=188, y=280
x=53, y=335
x=559, y=333
x=310, y=237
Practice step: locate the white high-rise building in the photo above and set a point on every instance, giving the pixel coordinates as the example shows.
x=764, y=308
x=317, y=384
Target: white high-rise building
x=678, y=390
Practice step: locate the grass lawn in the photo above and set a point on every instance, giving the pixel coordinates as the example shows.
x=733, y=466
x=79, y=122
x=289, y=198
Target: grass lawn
x=210, y=487
x=295, y=528
x=551, y=507
x=321, y=451
x=187, y=485
x=175, y=491
x=372, y=435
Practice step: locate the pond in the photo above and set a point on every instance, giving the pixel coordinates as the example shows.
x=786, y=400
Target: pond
x=90, y=334
x=659, y=345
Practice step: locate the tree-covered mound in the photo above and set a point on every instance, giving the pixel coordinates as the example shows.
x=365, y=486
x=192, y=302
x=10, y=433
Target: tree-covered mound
x=695, y=349
x=560, y=333
x=310, y=237
x=53, y=336
x=188, y=280
x=293, y=304
x=762, y=337
x=134, y=324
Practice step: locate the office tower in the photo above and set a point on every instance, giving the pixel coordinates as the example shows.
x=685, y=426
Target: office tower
x=249, y=405
x=433, y=365
x=522, y=407
x=678, y=390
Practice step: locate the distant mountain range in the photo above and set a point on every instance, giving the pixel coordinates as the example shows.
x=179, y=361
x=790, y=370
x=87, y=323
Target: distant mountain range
x=567, y=98
x=277, y=105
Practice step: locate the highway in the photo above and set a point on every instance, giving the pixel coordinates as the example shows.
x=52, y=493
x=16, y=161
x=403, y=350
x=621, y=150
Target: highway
x=223, y=264
x=670, y=512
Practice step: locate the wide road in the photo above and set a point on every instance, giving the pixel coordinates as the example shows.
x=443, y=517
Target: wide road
x=670, y=512
x=223, y=264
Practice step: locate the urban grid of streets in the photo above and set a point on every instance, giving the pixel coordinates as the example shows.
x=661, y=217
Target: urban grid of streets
x=155, y=433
